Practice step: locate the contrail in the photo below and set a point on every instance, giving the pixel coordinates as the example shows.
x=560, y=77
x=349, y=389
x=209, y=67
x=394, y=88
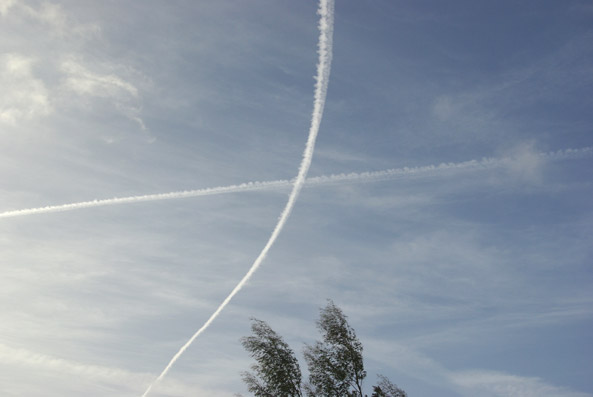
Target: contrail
x=436, y=169
x=326, y=24
x=393, y=173
x=249, y=186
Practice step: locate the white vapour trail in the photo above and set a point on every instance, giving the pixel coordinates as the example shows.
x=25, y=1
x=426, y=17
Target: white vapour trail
x=326, y=21
x=394, y=173
x=432, y=170
x=244, y=187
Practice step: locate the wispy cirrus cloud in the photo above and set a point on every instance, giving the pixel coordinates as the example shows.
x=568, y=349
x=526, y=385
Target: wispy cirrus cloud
x=52, y=15
x=471, y=382
x=5, y=6
x=82, y=81
x=499, y=384
x=83, y=375
x=24, y=95
x=64, y=78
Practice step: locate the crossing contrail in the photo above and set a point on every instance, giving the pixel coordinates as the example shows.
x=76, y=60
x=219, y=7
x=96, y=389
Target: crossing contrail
x=326, y=24
x=393, y=173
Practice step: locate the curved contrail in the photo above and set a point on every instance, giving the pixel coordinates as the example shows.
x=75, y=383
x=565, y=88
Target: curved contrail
x=393, y=173
x=326, y=21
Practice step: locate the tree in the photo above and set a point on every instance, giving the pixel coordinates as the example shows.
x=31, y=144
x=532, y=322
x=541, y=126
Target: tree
x=335, y=363
x=277, y=372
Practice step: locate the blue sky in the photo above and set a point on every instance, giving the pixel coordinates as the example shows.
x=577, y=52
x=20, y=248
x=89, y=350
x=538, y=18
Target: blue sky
x=473, y=278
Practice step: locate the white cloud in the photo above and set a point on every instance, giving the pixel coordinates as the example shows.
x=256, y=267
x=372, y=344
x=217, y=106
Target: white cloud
x=5, y=6
x=84, y=82
x=123, y=94
x=121, y=380
x=26, y=357
x=525, y=163
x=28, y=95
x=475, y=382
x=497, y=384
x=24, y=95
x=52, y=15
x=443, y=108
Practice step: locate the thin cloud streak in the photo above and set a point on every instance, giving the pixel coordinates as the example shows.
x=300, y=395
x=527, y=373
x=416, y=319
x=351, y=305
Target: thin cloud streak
x=10, y=355
x=125, y=379
x=494, y=384
x=371, y=176
x=326, y=21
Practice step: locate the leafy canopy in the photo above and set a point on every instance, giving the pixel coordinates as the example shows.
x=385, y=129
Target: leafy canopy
x=335, y=363
x=277, y=372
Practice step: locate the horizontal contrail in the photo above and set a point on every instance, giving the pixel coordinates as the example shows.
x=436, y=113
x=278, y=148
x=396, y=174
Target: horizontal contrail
x=149, y=197
x=394, y=173
x=326, y=27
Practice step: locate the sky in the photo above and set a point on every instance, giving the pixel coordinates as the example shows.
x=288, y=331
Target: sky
x=448, y=208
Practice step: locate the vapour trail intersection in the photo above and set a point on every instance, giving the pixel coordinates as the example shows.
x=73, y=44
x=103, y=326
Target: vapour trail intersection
x=354, y=177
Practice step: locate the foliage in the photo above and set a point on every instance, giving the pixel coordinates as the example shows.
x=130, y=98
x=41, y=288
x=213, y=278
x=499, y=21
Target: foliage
x=277, y=372
x=335, y=363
